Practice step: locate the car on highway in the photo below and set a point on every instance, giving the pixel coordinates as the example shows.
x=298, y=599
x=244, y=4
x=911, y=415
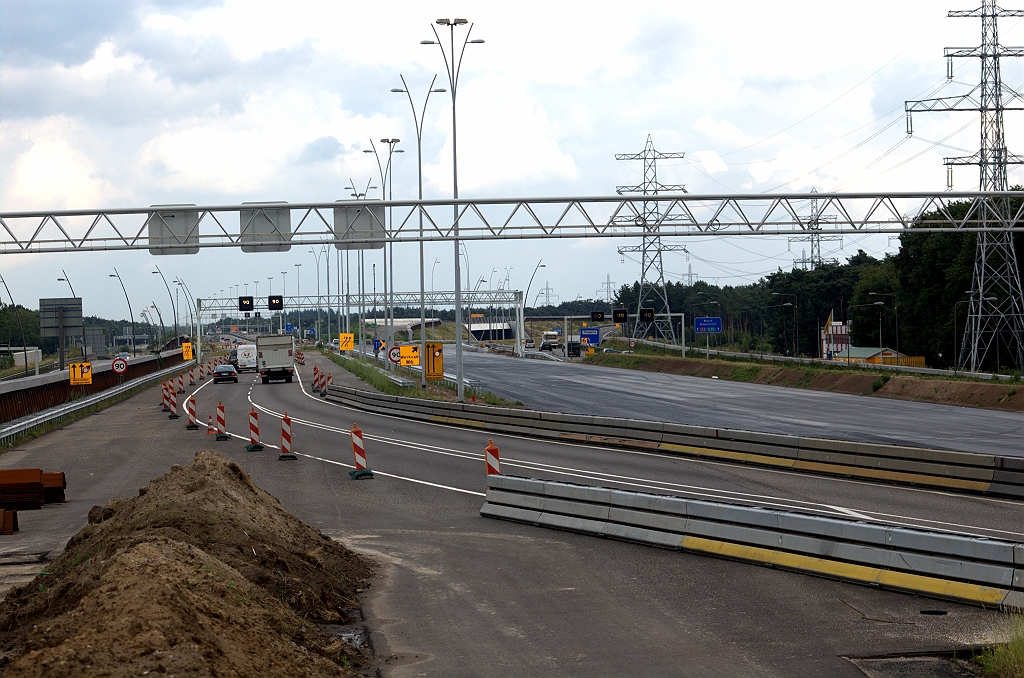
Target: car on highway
x=530, y=343
x=124, y=354
x=225, y=373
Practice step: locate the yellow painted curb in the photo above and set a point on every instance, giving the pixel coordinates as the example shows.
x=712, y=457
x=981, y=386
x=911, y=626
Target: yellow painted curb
x=944, y=588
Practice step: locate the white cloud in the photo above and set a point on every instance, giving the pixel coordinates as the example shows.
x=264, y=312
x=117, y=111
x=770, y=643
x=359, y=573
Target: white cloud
x=711, y=162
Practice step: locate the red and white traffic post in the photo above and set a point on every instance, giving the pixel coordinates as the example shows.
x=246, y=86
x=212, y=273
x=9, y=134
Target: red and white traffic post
x=254, y=432
x=286, y=439
x=165, y=405
x=222, y=426
x=181, y=383
x=192, y=377
x=493, y=458
x=190, y=409
x=359, y=455
x=173, y=405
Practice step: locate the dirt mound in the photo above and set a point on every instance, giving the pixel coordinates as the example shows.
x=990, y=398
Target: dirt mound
x=202, y=574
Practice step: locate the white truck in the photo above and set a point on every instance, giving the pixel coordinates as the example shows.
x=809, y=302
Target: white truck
x=276, y=356
x=246, y=357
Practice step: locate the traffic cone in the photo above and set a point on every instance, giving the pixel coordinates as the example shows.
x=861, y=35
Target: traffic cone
x=254, y=432
x=286, y=440
x=190, y=409
x=493, y=458
x=210, y=430
x=222, y=431
x=359, y=454
x=173, y=400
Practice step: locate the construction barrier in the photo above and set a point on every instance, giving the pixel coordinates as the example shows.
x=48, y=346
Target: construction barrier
x=222, y=426
x=165, y=405
x=181, y=383
x=254, y=432
x=493, y=458
x=327, y=382
x=190, y=410
x=286, y=439
x=173, y=403
x=192, y=377
x=201, y=377
x=359, y=455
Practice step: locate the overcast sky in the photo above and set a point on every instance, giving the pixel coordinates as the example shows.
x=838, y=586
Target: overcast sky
x=134, y=103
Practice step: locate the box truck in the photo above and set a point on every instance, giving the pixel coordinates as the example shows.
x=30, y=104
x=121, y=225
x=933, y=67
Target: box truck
x=275, y=355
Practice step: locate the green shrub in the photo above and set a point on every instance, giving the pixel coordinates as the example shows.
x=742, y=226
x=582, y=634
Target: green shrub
x=880, y=382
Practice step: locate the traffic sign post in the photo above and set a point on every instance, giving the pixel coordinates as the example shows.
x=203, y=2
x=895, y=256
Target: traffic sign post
x=590, y=336
x=346, y=342
x=434, y=368
x=80, y=374
x=119, y=366
x=707, y=326
x=395, y=354
x=379, y=345
x=409, y=355
x=186, y=350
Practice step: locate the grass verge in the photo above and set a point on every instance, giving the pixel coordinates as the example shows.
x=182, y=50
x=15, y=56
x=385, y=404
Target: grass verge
x=1006, y=660
x=438, y=391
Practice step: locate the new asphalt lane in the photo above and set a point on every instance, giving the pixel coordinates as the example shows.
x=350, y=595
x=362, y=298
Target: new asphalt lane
x=611, y=392
x=465, y=595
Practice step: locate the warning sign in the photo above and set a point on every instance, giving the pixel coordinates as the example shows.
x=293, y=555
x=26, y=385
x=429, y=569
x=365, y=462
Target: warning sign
x=409, y=355
x=434, y=360
x=186, y=350
x=81, y=373
x=346, y=342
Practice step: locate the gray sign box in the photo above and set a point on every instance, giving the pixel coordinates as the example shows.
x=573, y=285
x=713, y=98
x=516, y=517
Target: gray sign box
x=356, y=222
x=49, y=315
x=265, y=229
x=171, y=227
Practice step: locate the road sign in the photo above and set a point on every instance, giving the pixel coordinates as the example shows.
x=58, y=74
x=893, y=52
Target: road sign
x=186, y=350
x=435, y=361
x=597, y=316
x=245, y=304
x=590, y=336
x=81, y=374
x=647, y=315
x=395, y=354
x=590, y=351
x=379, y=345
x=246, y=314
x=120, y=365
x=620, y=315
x=312, y=330
x=410, y=355
x=346, y=342
x=632, y=343
x=256, y=314
x=707, y=325
x=275, y=302
x=288, y=327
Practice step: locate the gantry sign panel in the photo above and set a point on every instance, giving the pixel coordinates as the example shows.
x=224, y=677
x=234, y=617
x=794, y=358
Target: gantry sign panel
x=184, y=229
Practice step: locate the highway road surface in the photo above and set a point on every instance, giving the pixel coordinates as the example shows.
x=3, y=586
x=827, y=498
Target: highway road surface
x=612, y=392
x=464, y=595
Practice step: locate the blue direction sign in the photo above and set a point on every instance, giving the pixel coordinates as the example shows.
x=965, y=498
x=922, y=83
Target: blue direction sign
x=379, y=345
x=707, y=325
x=288, y=327
x=590, y=336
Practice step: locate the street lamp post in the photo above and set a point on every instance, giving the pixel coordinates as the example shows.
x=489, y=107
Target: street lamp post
x=284, y=293
x=174, y=309
x=192, y=301
x=316, y=255
x=418, y=124
x=896, y=310
x=796, y=320
x=85, y=350
x=386, y=182
x=298, y=295
x=436, y=262
x=453, y=68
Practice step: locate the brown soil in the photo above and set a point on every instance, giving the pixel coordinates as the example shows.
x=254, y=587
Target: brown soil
x=905, y=387
x=202, y=574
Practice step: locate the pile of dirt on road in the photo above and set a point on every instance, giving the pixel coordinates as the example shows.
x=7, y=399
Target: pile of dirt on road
x=201, y=574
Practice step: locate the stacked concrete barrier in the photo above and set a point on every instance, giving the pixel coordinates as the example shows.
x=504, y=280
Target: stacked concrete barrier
x=966, y=471
x=941, y=564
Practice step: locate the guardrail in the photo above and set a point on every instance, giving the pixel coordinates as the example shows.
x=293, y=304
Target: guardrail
x=17, y=429
x=964, y=471
x=946, y=565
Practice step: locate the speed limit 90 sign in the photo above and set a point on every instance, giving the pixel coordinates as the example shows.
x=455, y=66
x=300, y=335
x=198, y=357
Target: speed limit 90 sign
x=119, y=366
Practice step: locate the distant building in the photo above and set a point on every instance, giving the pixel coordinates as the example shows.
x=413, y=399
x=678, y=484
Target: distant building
x=835, y=346
x=835, y=338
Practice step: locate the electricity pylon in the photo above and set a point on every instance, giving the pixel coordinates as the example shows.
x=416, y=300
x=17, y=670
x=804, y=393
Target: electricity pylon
x=996, y=305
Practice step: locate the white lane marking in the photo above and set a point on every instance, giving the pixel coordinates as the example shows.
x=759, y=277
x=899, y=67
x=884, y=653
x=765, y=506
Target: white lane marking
x=643, y=483
x=391, y=475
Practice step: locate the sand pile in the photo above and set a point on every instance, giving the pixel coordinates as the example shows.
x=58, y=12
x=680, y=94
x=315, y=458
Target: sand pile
x=202, y=574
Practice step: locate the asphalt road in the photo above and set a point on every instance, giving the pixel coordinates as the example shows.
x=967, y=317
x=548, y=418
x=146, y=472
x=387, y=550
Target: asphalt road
x=465, y=595
x=605, y=391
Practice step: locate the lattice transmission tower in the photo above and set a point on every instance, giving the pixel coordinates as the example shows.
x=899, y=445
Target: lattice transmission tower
x=653, y=293
x=996, y=305
x=815, y=237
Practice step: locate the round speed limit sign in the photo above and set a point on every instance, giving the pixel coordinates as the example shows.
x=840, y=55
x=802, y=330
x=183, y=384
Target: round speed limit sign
x=632, y=343
x=395, y=354
x=120, y=365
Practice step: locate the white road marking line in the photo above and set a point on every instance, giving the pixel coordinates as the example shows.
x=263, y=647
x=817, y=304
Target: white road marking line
x=793, y=504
